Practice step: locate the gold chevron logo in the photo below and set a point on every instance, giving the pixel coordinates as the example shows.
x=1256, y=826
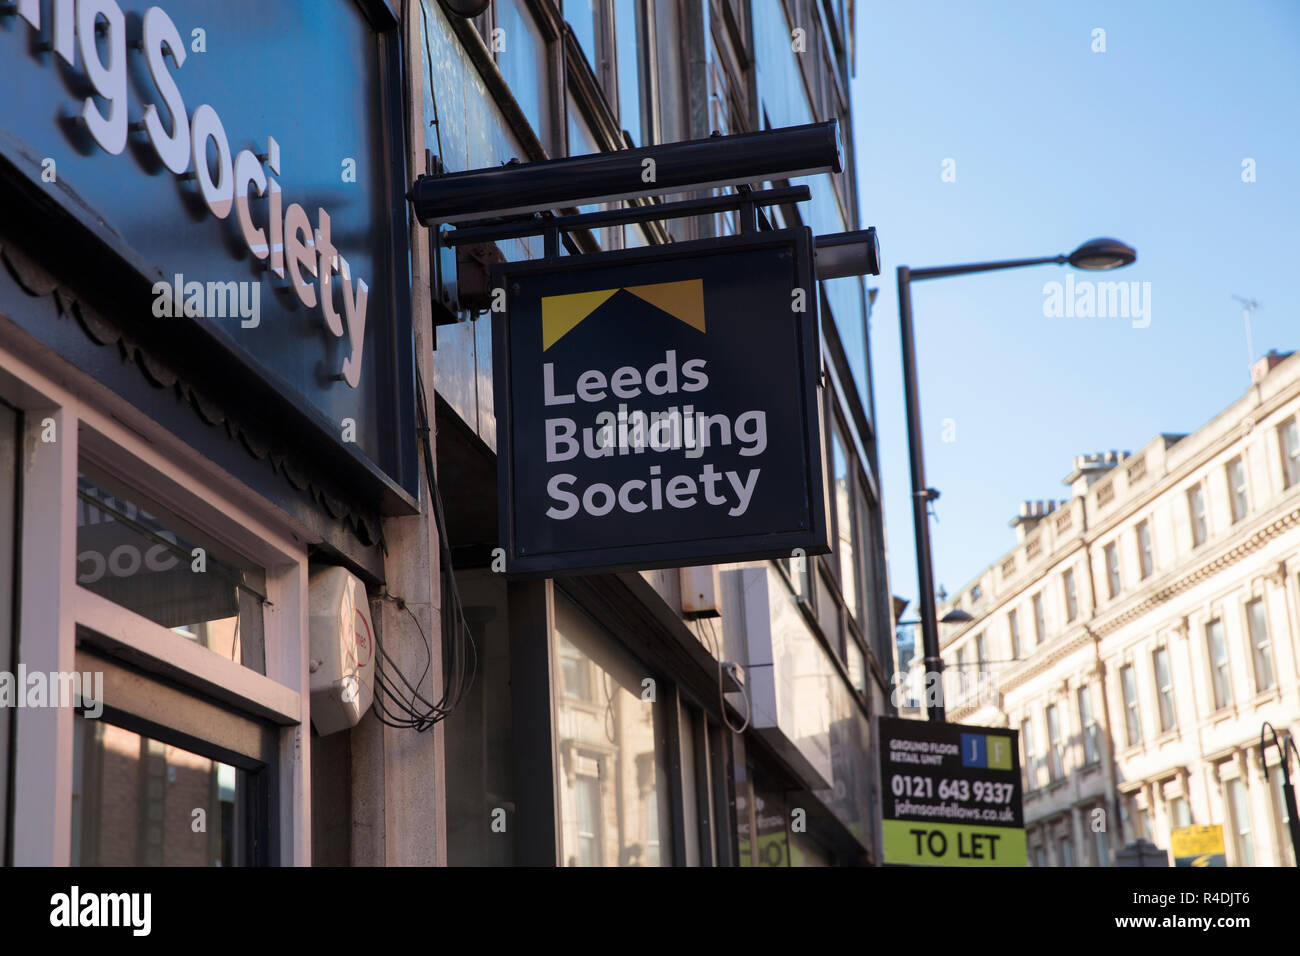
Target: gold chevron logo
x=682, y=300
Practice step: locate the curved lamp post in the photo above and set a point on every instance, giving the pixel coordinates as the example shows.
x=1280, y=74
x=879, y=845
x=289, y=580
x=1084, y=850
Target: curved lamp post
x=1093, y=255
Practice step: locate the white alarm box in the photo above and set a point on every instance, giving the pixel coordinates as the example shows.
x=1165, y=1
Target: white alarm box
x=342, y=663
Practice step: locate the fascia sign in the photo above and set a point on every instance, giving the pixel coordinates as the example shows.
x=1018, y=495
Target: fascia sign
x=94, y=32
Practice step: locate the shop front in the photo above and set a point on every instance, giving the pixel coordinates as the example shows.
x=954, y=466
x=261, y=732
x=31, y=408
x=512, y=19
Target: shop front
x=207, y=397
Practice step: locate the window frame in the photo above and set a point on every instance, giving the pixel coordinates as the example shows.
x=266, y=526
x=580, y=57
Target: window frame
x=1132, y=705
x=1146, y=549
x=1255, y=644
x=1089, y=729
x=1237, y=798
x=1114, y=579
x=1198, y=521
x=163, y=469
x=1071, y=595
x=1238, y=497
x=1164, y=691
x=1055, y=744
x=1290, y=461
x=1221, y=698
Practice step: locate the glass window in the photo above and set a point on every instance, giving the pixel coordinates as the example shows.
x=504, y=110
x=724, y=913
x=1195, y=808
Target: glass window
x=1132, y=720
x=1029, y=753
x=1239, y=806
x=1146, y=560
x=581, y=15
x=1237, y=488
x=1164, y=688
x=1102, y=846
x=871, y=586
x=1289, y=437
x=1071, y=597
x=1040, y=857
x=961, y=673
x=1196, y=513
x=1220, y=677
x=1142, y=823
x=1257, y=621
x=137, y=554
x=479, y=732
x=1013, y=627
x=1067, y=851
x=575, y=673
x=1091, y=749
x=582, y=143
x=1112, y=570
x=796, y=568
x=828, y=615
x=587, y=790
x=1056, y=746
x=981, y=653
x=627, y=47
x=135, y=802
x=1040, y=620
x=846, y=534
x=524, y=64
x=1179, y=814
x=611, y=769
x=857, y=667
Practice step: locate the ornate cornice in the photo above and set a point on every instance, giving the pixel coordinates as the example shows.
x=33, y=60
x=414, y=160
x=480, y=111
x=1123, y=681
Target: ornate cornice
x=1201, y=572
x=36, y=282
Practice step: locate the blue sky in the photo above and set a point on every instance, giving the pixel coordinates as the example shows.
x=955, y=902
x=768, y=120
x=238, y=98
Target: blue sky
x=1054, y=144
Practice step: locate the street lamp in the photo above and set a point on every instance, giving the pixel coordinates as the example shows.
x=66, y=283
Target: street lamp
x=1093, y=255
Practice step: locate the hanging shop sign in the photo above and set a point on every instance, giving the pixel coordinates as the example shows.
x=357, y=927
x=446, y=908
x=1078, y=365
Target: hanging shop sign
x=659, y=406
x=245, y=174
x=950, y=794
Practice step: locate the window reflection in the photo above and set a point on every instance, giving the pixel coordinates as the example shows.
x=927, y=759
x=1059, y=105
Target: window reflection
x=611, y=768
x=846, y=529
x=524, y=65
x=132, y=552
x=627, y=42
x=141, y=802
x=581, y=15
x=583, y=143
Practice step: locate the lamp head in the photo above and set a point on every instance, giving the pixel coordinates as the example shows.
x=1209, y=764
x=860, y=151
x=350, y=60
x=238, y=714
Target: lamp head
x=1101, y=254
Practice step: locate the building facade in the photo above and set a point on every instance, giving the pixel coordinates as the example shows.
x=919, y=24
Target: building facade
x=1141, y=633
x=232, y=363
x=209, y=340
x=602, y=728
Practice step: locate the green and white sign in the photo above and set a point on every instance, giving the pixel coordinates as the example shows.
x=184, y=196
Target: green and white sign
x=950, y=794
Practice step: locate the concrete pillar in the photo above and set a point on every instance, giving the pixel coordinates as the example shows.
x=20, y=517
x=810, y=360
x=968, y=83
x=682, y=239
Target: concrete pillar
x=398, y=791
x=1081, y=835
x=1160, y=820
x=1263, y=827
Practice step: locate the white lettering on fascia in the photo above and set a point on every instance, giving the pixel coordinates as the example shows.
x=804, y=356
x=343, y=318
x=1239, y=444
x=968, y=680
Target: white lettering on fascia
x=287, y=240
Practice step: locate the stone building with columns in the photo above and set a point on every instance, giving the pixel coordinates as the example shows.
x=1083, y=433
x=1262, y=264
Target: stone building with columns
x=1143, y=630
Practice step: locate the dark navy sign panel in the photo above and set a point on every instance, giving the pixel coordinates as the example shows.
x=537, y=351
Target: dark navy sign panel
x=318, y=78
x=659, y=406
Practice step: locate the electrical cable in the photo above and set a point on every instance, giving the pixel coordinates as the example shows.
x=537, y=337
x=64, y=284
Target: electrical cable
x=715, y=648
x=433, y=94
x=398, y=702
